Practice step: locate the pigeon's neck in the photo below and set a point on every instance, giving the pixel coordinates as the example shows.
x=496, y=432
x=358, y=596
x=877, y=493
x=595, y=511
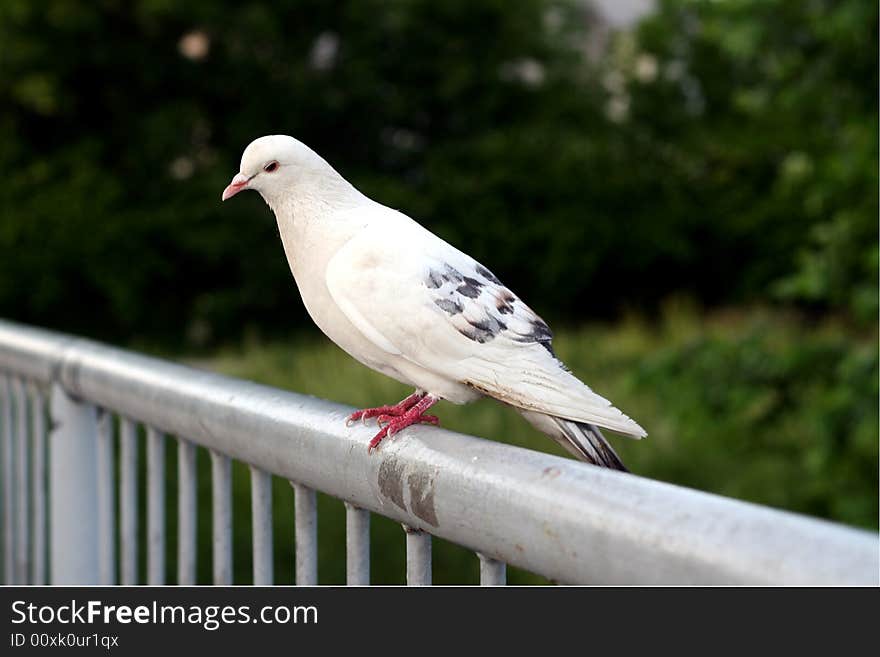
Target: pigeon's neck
x=315, y=218
x=315, y=193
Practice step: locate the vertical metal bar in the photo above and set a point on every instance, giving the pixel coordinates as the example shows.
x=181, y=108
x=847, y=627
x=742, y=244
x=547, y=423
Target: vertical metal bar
x=221, y=489
x=492, y=571
x=128, y=500
x=22, y=495
x=305, y=507
x=357, y=548
x=106, y=498
x=73, y=495
x=38, y=484
x=8, y=484
x=261, y=512
x=186, y=512
x=418, y=557
x=155, y=506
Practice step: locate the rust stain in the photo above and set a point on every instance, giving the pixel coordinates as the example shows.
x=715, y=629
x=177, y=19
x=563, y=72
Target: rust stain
x=421, y=496
x=552, y=533
x=391, y=481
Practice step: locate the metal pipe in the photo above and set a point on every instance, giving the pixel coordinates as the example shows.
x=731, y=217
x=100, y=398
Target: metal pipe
x=492, y=571
x=565, y=520
x=73, y=495
x=187, y=525
x=357, y=547
x=418, y=557
x=155, y=506
x=305, y=508
x=106, y=498
x=22, y=478
x=38, y=484
x=221, y=490
x=128, y=500
x=8, y=483
x=261, y=512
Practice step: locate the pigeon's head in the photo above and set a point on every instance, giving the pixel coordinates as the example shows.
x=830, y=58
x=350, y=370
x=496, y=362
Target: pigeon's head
x=275, y=166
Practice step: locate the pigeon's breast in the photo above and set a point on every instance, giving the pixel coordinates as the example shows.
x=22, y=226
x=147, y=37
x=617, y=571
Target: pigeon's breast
x=311, y=281
x=326, y=313
x=336, y=326
x=308, y=253
x=311, y=247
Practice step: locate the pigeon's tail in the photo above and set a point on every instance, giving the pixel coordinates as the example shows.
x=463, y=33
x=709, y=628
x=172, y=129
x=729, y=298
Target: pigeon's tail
x=583, y=440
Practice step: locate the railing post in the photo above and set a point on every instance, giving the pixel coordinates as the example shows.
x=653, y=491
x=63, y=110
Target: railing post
x=73, y=491
x=261, y=512
x=128, y=501
x=305, y=511
x=418, y=557
x=38, y=484
x=221, y=492
x=155, y=506
x=492, y=571
x=106, y=498
x=357, y=551
x=22, y=495
x=187, y=512
x=8, y=452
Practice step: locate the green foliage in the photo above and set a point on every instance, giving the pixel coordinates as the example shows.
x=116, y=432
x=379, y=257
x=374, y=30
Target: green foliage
x=770, y=414
x=765, y=115
x=727, y=149
x=757, y=405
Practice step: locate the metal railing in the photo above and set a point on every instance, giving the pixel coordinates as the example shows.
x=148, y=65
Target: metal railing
x=565, y=520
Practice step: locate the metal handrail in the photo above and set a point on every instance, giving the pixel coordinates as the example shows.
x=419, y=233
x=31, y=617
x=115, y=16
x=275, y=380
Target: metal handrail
x=566, y=520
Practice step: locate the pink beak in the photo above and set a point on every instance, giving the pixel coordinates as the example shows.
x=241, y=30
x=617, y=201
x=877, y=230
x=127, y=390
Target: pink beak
x=239, y=182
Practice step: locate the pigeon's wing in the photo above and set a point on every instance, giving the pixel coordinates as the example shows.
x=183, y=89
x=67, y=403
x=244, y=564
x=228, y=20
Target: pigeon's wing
x=418, y=297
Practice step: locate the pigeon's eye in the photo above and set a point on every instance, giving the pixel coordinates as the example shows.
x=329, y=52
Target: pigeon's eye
x=269, y=168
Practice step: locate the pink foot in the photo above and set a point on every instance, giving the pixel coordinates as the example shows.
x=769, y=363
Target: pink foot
x=424, y=419
x=415, y=415
x=397, y=410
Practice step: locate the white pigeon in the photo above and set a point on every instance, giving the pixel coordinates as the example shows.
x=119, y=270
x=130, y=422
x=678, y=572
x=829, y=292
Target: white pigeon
x=400, y=300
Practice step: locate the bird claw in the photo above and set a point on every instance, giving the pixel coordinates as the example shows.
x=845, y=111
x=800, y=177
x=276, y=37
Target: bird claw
x=393, y=419
x=362, y=415
x=394, y=425
x=374, y=442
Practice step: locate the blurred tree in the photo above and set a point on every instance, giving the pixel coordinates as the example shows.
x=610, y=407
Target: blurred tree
x=764, y=116
x=122, y=121
x=724, y=147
